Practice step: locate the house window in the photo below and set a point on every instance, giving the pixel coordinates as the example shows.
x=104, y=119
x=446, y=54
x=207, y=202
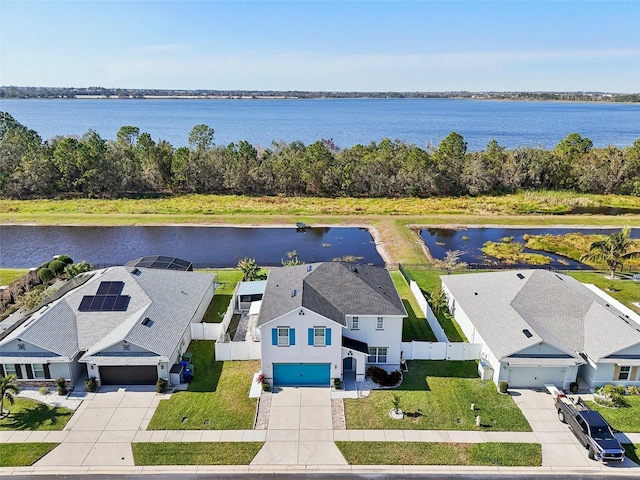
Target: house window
x=10, y=369
x=283, y=336
x=380, y=323
x=319, y=337
x=38, y=370
x=355, y=323
x=377, y=354
x=624, y=373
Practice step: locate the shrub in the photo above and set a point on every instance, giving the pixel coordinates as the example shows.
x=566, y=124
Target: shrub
x=261, y=378
x=610, y=395
x=57, y=267
x=573, y=387
x=381, y=377
x=90, y=384
x=61, y=385
x=161, y=385
x=66, y=259
x=45, y=274
x=43, y=391
x=266, y=387
x=337, y=384
x=503, y=387
x=633, y=390
x=78, y=268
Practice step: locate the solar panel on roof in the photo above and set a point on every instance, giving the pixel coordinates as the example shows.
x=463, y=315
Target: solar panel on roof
x=109, y=302
x=122, y=303
x=116, y=288
x=103, y=288
x=85, y=303
x=96, y=303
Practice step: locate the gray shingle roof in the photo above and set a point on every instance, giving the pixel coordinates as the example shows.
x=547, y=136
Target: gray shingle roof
x=170, y=298
x=556, y=309
x=332, y=289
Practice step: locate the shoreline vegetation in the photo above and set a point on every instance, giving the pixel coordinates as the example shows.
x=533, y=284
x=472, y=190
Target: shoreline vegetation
x=9, y=92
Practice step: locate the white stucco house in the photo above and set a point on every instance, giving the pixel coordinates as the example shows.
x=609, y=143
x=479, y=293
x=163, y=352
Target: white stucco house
x=121, y=325
x=329, y=320
x=538, y=327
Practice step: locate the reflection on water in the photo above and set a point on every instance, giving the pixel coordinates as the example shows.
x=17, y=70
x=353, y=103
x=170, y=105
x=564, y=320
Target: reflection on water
x=471, y=240
x=24, y=246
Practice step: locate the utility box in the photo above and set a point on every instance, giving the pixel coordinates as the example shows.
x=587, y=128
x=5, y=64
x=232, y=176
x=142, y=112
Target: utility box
x=485, y=371
x=175, y=374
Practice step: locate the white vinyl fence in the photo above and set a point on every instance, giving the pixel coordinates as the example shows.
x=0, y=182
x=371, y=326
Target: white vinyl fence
x=205, y=331
x=443, y=349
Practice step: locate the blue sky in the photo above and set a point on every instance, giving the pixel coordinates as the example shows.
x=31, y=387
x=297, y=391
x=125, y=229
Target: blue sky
x=323, y=45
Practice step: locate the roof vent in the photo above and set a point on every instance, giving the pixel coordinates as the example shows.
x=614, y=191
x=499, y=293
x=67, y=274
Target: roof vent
x=475, y=293
x=527, y=333
x=294, y=293
x=147, y=322
x=560, y=277
x=353, y=268
x=135, y=271
x=309, y=268
x=520, y=276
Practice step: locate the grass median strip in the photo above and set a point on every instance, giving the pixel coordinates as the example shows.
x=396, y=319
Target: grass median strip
x=427, y=453
x=200, y=453
x=23, y=454
x=437, y=395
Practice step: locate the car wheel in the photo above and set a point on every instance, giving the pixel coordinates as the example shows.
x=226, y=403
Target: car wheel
x=592, y=454
x=561, y=416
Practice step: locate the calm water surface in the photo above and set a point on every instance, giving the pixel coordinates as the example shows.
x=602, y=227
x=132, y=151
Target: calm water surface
x=24, y=246
x=346, y=121
x=471, y=240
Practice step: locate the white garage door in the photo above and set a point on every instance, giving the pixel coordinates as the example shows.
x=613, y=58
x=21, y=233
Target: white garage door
x=531, y=377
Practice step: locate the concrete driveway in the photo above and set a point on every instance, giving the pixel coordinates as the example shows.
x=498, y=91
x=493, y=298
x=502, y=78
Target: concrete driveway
x=102, y=429
x=560, y=447
x=300, y=429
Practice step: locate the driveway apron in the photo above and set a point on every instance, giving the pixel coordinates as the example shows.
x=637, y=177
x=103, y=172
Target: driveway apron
x=300, y=430
x=102, y=429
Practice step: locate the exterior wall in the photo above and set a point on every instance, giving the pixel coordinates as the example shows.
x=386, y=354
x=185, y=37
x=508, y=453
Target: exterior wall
x=302, y=352
x=603, y=373
x=12, y=347
x=77, y=370
x=541, y=349
x=390, y=336
x=204, y=303
x=119, y=347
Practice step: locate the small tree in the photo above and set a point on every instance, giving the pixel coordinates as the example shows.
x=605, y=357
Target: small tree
x=451, y=261
x=293, y=259
x=57, y=267
x=438, y=299
x=249, y=268
x=8, y=388
x=66, y=259
x=395, y=401
x=78, y=268
x=61, y=386
x=613, y=250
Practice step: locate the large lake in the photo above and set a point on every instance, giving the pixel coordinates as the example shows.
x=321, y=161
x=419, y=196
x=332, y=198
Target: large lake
x=346, y=121
x=23, y=246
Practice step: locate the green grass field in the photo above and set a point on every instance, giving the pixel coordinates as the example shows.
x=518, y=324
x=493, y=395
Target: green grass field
x=8, y=275
x=27, y=414
x=227, y=279
x=436, y=395
x=415, y=326
x=23, y=454
x=201, y=453
x=217, y=398
x=624, y=419
x=425, y=453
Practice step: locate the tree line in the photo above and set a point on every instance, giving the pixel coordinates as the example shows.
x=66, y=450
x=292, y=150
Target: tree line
x=135, y=164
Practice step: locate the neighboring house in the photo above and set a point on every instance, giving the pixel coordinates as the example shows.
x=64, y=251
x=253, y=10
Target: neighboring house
x=538, y=327
x=121, y=325
x=321, y=320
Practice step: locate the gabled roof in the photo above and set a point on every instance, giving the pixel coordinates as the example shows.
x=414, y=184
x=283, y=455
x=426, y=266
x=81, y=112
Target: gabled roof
x=555, y=309
x=331, y=289
x=167, y=297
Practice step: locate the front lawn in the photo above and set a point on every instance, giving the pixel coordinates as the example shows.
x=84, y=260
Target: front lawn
x=425, y=453
x=201, y=453
x=624, y=419
x=23, y=454
x=415, y=326
x=227, y=280
x=437, y=395
x=27, y=414
x=217, y=398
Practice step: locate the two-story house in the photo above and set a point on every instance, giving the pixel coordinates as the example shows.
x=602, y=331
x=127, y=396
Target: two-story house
x=321, y=320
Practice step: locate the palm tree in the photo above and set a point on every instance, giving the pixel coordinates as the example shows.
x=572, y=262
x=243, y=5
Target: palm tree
x=613, y=250
x=8, y=388
x=249, y=269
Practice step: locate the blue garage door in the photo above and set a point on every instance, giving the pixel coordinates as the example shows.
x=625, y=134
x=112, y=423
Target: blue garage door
x=301, y=374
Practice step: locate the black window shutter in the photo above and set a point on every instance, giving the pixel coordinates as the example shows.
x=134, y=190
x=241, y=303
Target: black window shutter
x=2, y=371
x=18, y=370
x=29, y=371
x=47, y=372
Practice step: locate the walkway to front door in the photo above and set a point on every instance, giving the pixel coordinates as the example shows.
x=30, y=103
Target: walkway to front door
x=300, y=429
